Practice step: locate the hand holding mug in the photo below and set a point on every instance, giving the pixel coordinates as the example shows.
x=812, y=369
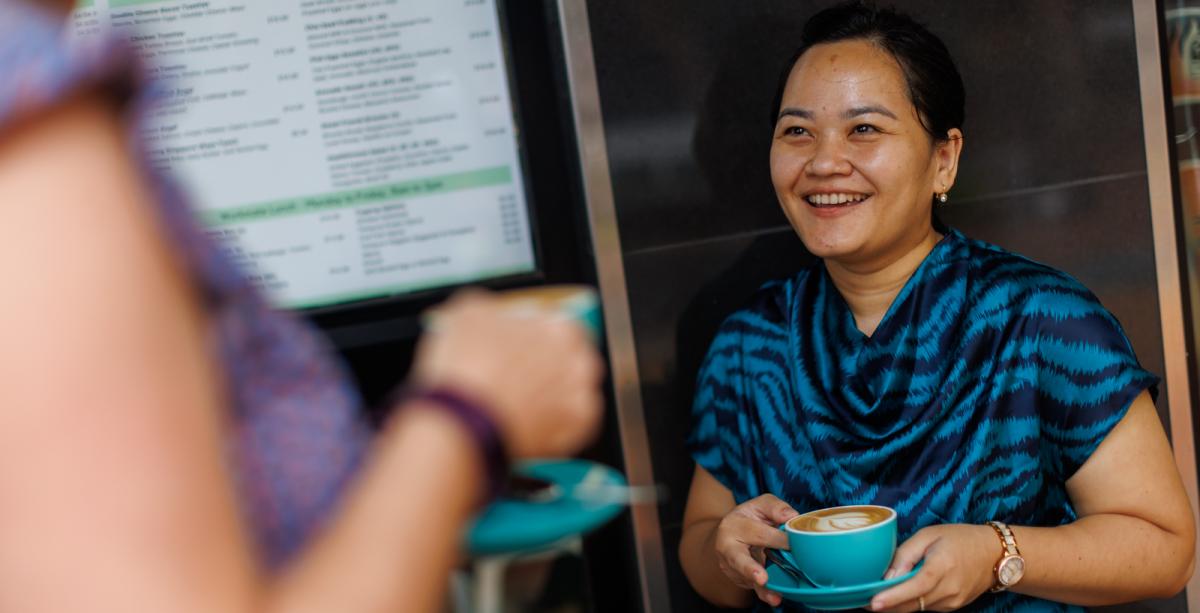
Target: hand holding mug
x=742, y=535
x=957, y=569
x=538, y=373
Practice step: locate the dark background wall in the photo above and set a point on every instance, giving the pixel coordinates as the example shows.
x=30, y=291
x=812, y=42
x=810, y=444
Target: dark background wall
x=1053, y=168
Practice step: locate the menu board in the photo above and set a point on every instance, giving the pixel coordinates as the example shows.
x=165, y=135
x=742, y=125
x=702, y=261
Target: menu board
x=343, y=149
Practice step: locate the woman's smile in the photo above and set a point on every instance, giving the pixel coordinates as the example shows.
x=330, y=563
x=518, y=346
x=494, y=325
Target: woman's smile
x=835, y=199
x=835, y=203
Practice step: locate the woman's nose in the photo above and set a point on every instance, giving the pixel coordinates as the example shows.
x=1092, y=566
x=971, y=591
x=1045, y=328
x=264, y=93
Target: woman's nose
x=829, y=158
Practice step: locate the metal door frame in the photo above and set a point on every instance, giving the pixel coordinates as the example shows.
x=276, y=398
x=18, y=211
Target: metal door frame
x=610, y=272
x=1171, y=301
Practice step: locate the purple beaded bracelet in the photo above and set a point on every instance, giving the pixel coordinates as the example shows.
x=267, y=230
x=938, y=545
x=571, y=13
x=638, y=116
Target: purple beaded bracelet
x=479, y=425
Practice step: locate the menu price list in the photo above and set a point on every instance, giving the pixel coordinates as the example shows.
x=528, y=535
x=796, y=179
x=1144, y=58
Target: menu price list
x=297, y=126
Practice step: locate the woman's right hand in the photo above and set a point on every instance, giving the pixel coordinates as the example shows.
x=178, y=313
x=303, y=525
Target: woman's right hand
x=539, y=377
x=741, y=537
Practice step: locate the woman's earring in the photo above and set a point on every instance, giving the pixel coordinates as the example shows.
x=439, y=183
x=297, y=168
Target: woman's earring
x=943, y=197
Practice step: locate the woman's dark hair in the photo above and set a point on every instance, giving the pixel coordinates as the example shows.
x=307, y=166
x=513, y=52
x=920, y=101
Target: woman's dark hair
x=934, y=85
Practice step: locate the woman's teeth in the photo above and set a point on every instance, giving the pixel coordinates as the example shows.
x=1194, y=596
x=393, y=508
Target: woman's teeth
x=834, y=199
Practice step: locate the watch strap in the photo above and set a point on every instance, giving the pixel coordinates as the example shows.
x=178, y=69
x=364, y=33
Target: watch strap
x=1008, y=544
x=1007, y=540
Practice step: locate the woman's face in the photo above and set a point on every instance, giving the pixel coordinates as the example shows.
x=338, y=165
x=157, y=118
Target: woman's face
x=853, y=168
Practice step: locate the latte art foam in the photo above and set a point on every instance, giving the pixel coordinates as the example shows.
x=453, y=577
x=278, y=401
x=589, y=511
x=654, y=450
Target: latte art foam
x=843, y=521
x=840, y=519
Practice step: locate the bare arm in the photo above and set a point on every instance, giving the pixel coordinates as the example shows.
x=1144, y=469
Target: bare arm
x=112, y=442
x=394, y=544
x=1135, y=536
x=110, y=466
x=720, y=549
x=707, y=504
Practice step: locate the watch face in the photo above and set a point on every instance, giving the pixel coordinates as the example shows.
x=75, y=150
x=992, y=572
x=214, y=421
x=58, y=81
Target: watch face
x=1011, y=570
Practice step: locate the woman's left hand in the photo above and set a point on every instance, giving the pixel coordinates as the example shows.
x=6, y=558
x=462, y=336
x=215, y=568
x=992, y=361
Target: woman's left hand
x=959, y=559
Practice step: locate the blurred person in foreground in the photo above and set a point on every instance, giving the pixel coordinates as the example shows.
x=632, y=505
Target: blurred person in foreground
x=168, y=442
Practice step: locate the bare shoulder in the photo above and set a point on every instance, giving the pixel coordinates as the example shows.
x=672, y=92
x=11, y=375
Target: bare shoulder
x=88, y=273
x=69, y=188
x=106, y=383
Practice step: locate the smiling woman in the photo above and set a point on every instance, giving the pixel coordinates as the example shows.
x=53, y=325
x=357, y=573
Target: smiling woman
x=991, y=400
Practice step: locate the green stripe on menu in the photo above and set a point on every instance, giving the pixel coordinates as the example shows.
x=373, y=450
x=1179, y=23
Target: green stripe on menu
x=391, y=290
x=499, y=175
x=84, y=4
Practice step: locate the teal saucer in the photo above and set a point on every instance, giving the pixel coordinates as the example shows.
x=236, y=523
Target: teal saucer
x=829, y=598
x=510, y=526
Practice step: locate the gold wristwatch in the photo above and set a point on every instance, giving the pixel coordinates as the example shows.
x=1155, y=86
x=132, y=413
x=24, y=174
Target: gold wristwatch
x=1011, y=566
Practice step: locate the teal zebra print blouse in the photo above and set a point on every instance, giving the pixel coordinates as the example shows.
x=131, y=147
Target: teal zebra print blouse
x=988, y=383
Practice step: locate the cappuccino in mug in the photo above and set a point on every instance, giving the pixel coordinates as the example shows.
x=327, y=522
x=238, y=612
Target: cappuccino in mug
x=843, y=546
x=840, y=519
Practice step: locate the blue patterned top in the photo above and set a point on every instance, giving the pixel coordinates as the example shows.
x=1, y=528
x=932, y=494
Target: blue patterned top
x=988, y=383
x=296, y=437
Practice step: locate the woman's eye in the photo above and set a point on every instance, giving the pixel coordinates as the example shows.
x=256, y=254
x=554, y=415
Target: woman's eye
x=794, y=131
x=865, y=128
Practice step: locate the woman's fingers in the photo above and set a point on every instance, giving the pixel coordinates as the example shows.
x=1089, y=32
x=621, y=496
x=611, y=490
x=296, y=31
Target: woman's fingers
x=746, y=583
x=741, y=567
x=772, y=509
x=767, y=596
x=757, y=534
x=764, y=594
x=907, y=595
x=739, y=538
x=538, y=375
x=956, y=570
x=910, y=552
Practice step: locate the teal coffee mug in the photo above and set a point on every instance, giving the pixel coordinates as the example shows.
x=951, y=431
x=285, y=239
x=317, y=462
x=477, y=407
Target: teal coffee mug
x=843, y=546
x=576, y=302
